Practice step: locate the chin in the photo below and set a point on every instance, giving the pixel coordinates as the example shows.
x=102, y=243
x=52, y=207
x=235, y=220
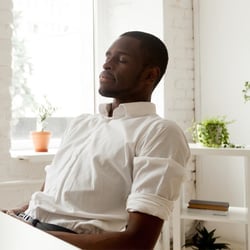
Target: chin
x=105, y=93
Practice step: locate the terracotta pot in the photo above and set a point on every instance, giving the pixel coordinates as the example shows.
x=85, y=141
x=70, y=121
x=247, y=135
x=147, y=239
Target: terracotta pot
x=41, y=140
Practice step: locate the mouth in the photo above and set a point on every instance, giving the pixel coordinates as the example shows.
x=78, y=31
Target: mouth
x=106, y=76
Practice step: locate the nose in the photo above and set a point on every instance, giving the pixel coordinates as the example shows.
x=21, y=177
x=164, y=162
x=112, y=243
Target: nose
x=108, y=64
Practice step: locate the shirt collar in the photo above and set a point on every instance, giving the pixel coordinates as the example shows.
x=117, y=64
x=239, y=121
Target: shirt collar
x=131, y=109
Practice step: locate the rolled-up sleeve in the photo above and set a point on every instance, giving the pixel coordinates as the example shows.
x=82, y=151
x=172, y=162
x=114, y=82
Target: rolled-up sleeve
x=156, y=185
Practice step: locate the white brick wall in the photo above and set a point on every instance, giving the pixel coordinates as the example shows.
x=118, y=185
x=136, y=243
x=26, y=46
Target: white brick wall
x=179, y=93
x=179, y=81
x=5, y=80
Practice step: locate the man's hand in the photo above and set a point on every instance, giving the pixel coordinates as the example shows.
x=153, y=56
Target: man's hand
x=14, y=212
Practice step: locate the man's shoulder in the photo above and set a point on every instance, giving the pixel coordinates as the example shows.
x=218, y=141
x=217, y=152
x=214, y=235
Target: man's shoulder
x=165, y=128
x=164, y=123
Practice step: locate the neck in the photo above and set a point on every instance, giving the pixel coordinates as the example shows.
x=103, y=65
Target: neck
x=112, y=106
x=116, y=103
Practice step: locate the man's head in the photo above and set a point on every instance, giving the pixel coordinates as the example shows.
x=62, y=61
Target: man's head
x=154, y=50
x=134, y=65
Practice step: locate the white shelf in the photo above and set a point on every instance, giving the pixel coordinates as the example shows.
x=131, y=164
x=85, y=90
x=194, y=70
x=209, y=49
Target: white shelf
x=197, y=149
x=234, y=215
x=238, y=215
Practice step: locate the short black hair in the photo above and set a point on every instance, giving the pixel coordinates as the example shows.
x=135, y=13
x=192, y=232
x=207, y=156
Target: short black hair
x=155, y=51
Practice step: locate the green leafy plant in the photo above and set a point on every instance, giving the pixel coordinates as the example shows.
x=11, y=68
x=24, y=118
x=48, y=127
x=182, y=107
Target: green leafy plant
x=44, y=111
x=204, y=240
x=246, y=90
x=212, y=132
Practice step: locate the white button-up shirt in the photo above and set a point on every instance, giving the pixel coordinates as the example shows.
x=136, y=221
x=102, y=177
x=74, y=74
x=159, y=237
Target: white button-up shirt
x=106, y=166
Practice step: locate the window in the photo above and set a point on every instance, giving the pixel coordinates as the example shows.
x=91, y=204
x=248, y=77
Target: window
x=53, y=57
x=58, y=51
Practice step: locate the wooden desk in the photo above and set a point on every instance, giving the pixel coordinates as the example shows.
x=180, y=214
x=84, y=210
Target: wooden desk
x=16, y=235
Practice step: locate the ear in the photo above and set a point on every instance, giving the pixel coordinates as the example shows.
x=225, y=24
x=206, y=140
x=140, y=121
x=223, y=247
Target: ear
x=151, y=74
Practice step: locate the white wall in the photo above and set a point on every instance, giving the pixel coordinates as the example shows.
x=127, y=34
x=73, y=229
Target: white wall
x=224, y=44
x=179, y=80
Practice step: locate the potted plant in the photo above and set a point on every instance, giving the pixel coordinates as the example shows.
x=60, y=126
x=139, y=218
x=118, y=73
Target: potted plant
x=42, y=136
x=204, y=240
x=211, y=132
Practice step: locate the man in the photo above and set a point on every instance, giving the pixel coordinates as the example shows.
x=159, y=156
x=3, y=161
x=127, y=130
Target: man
x=116, y=174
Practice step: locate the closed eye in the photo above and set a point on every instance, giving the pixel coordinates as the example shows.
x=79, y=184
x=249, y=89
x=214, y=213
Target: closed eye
x=123, y=59
x=119, y=58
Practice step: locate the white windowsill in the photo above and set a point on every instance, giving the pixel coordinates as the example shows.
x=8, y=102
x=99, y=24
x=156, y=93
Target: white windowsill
x=23, y=150
x=31, y=155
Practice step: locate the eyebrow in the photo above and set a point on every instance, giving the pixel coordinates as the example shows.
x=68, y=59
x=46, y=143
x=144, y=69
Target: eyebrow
x=118, y=52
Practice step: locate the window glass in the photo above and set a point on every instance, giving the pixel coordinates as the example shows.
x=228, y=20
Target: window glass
x=52, y=57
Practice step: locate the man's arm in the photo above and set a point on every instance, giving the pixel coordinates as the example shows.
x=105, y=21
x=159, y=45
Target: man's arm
x=142, y=233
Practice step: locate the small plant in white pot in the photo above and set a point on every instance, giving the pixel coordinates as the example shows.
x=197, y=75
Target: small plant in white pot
x=212, y=132
x=41, y=136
